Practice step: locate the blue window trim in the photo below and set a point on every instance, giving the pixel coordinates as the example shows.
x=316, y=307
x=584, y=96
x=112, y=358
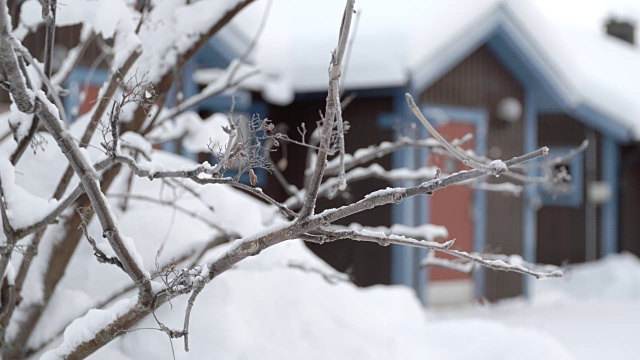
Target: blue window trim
x=415, y=210
x=575, y=189
x=480, y=119
x=404, y=259
x=503, y=33
x=610, y=172
x=529, y=204
x=79, y=76
x=403, y=264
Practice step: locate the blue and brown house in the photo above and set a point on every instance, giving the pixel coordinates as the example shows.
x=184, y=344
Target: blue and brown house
x=499, y=70
x=515, y=80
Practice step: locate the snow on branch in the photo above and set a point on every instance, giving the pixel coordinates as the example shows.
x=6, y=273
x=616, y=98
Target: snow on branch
x=396, y=195
x=364, y=155
x=191, y=28
x=507, y=263
x=201, y=174
x=465, y=267
x=235, y=74
x=505, y=187
x=386, y=236
x=331, y=186
x=379, y=237
x=48, y=113
x=452, y=149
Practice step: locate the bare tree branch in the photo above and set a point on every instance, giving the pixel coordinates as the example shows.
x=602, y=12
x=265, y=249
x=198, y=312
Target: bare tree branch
x=96, y=115
x=194, y=175
x=43, y=109
x=172, y=204
x=452, y=149
x=365, y=155
x=307, y=225
x=377, y=237
x=332, y=110
x=496, y=262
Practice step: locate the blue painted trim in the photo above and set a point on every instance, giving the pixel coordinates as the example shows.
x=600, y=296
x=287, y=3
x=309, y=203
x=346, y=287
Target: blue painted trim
x=422, y=217
x=549, y=92
x=216, y=53
x=222, y=103
x=517, y=59
x=549, y=96
x=79, y=76
x=480, y=118
x=530, y=219
x=403, y=262
x=505, y=35
x=258, y=107
x=386, y=121
x=602, y=123
x=189, y=89
x=575, y=189
x=610, y=174
x=452, y=53
x=81, y=73
x=402, y=259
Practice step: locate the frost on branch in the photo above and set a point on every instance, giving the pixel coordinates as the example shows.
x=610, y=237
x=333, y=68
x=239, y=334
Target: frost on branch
x=186, y=230
x=467, y=262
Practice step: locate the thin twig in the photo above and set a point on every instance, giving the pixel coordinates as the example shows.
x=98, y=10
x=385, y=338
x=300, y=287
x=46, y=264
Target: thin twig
x=452, y=149
x=172, y=204
x=332, y=108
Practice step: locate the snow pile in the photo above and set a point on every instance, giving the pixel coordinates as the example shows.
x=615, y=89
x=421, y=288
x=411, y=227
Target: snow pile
x=616, y=276
x=593, y=312
x=284, y=304
x=265, y=308
x=23, y=208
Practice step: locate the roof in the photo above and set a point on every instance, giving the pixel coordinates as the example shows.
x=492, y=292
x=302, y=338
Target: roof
x=411, y=43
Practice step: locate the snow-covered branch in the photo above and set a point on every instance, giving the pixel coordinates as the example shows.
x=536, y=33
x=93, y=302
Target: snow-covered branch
x=373, y=171
x=38, y=102
x=128, y=134
x=201, y=174
x=378, y=237
x=452, y=149
x=365, y=155
x=233, y=76
x=512, y=263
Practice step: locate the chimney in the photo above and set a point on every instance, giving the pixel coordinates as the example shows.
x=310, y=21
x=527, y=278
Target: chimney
x=621, y=29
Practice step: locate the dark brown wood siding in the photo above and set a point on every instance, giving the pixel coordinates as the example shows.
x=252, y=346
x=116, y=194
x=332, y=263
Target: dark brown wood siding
x=630, y=200
x=561, y=230
x=480, y=81
x=367, y=263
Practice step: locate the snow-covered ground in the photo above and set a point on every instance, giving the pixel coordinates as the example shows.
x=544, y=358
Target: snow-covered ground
x=594, y=312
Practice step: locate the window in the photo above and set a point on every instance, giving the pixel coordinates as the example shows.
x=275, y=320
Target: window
x=566, y=187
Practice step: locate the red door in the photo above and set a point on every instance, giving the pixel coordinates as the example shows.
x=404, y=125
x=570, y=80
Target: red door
x=90, y=97
x=452, y=207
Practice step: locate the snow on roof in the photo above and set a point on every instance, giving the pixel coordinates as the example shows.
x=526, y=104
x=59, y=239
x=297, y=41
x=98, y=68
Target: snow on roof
x=607, y=75
x=601, y=71
x=392, y=42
